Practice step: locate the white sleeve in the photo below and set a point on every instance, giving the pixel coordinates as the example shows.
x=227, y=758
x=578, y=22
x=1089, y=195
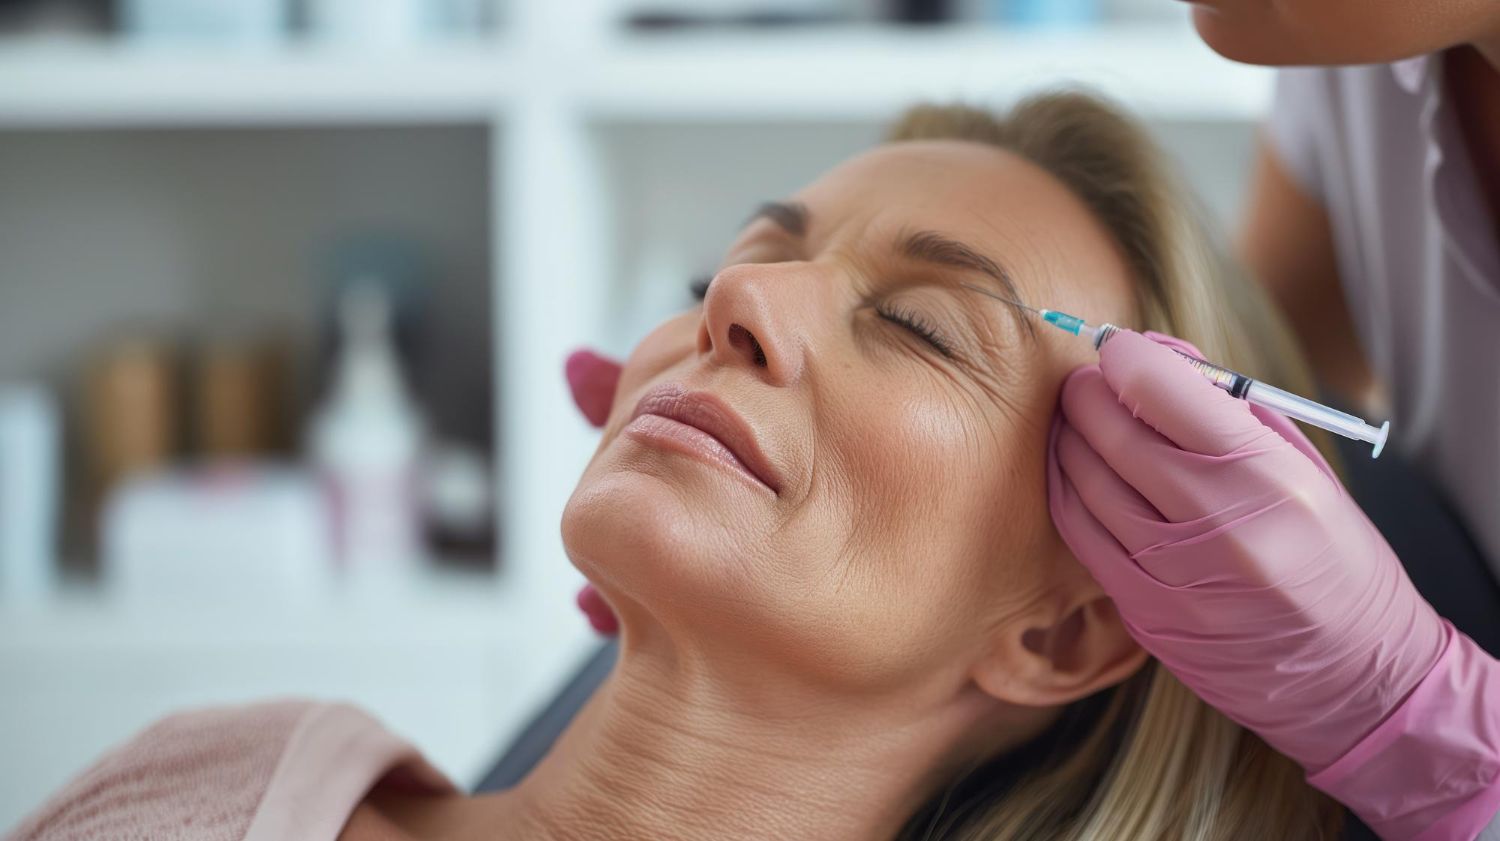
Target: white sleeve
x=1301, y=115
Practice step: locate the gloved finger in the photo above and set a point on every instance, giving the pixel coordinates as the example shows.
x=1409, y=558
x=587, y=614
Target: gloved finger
x=1281, y=424
x=1153, y=542
x=1095, y=547
x=600, y=615
x=1128, y=516
x=1288, y=429
x=593, y=379
x=1154, y=466
x=1162, y=389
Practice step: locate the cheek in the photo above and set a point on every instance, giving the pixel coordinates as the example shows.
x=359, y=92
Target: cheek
x=952, y=457
x=944, y=504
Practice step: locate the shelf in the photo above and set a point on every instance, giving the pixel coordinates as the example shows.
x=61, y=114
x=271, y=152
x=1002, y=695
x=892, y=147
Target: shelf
x=430, y=607
x=865, y=73
x=83, y=84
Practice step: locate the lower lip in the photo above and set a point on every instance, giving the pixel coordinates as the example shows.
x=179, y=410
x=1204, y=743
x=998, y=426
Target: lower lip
x=691, y=441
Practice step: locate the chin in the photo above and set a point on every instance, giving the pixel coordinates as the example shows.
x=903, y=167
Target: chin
x=673, y=552
x=650, y=539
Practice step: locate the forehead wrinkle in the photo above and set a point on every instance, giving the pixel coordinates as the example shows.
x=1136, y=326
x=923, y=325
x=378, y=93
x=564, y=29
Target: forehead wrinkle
x=1022, y=260
x=1044, y=261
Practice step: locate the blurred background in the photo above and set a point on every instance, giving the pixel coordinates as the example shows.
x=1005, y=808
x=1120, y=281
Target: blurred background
x=286, y=287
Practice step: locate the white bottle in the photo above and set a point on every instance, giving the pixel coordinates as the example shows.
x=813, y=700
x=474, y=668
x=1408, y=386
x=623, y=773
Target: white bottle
x=29, y=485
x=365, y=440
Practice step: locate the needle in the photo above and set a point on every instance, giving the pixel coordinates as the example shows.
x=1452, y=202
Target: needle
x=1011, y=301
x=1238, y=385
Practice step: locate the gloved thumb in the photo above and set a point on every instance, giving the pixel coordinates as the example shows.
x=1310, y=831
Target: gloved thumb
x=600, y=615
x=593, y=379
x=1161, y=388
x=1283, y=425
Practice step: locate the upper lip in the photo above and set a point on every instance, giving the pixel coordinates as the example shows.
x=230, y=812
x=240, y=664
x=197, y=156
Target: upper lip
x=704, y=411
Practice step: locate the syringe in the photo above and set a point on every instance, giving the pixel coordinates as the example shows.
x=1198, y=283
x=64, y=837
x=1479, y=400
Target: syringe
x=1238, y=385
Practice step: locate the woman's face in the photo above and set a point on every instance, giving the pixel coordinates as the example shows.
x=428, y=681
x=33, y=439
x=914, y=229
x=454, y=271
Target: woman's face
x=895, y=518
x=1287, y=32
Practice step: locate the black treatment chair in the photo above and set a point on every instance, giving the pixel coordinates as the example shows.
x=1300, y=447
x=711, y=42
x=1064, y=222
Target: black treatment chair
x=1398, y=498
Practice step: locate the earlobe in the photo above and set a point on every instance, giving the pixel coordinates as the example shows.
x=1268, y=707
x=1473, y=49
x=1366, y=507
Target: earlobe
x=1059, y=658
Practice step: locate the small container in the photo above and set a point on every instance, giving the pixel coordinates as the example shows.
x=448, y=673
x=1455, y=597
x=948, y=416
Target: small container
x=239, y=399
x=246, y=532
x=130, y=421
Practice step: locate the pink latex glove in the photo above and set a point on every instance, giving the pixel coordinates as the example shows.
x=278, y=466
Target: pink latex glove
x=592, y=379
x=1238, y=560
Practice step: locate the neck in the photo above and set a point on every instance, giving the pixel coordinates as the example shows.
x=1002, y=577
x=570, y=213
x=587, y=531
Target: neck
x=668, y=750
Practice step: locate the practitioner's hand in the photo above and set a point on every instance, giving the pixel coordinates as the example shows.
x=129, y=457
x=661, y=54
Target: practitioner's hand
x=600, y=615
x=593, y=379
x=1237, y=558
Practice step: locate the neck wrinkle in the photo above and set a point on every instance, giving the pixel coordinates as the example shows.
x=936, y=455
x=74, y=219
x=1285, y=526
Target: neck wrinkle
x=663, y=753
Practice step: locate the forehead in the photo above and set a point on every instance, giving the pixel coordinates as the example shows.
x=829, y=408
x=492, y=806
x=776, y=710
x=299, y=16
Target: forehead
x=1002, y=205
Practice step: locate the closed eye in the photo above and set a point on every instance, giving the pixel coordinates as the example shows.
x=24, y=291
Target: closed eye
x=908, y=319
x=917, y=325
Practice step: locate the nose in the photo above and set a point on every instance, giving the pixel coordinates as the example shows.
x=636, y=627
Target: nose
x=749, y=320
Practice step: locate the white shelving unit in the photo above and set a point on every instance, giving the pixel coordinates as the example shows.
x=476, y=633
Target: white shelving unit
x=573, y=109
x=93, y=85
x=867, y=73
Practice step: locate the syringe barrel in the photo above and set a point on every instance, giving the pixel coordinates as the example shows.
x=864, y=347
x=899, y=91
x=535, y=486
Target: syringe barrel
x=1277, y=400
x=1222, y=377
x=1316, y=414
x=1238, y=385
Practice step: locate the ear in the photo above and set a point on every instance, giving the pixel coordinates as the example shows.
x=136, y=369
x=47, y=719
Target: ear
x=1068, y=647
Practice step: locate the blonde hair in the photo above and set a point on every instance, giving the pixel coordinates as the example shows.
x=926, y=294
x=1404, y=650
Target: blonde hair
x=1147, y=759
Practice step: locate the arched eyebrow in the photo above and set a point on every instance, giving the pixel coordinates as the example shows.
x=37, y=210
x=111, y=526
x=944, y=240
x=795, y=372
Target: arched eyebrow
x=789, y=216
x=933, y=247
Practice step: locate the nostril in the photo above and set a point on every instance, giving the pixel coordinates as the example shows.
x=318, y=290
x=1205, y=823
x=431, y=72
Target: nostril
x=740, y=337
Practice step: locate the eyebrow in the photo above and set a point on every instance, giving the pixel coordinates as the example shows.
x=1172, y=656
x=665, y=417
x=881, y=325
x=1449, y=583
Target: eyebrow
x=789, y=216
x=932, y=247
